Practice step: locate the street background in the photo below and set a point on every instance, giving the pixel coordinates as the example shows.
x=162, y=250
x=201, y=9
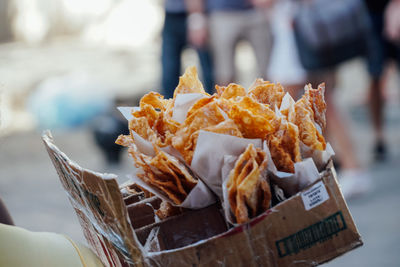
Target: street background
x=125, y=65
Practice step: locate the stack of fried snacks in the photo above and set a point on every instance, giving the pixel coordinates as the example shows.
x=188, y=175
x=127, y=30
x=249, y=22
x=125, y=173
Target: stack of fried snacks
x=249, y=193
x=235, y=111
x=163, y=171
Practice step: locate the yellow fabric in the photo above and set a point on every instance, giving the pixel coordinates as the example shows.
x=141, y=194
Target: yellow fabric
x=20, y=248
x=77, y=250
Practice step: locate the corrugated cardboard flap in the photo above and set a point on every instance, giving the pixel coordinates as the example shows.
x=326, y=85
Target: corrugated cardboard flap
x=100, y=208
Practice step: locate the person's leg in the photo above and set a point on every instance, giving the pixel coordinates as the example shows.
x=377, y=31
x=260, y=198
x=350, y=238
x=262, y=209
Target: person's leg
x=207, y=69
x=258, y=33
x=376, y=104
x=354, y=181
x=377, y=52
x=336, y=131
x=173, y=42
x=224, y=35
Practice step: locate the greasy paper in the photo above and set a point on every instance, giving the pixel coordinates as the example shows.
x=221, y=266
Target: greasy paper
x=209, y=165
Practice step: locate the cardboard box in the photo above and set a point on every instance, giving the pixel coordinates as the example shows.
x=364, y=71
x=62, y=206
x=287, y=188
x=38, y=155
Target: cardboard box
x=311, y=227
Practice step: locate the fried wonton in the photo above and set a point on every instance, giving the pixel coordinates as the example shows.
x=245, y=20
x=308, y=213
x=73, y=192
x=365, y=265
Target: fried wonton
x=317, y=100
x=284, y=146
x=184, y=141
x=304, y=119
x=153, y=121
x=124, y=140
x=248, y=191
x=189, y=83
x=231, y=91
x=155, y=100
x=254, y=120
x=165, y=173
x=228, y=127
x=267, y=93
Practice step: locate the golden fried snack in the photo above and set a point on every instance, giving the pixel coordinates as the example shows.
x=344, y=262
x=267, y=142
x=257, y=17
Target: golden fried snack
x=231, y=91
x=141, y=127
x=304, y=119
x=284, y=146
x=265, y=92
x=248, y=192
x=199, y=104
x=254, y=120
x=225, y=104
x=166, y=173
x=155, y=100
x=124, y=140
x=153, y=121
x=228, y=127
x=318, y=105
x=165, y=127
x=172, y=167
x=184, y=141
x=189, y=83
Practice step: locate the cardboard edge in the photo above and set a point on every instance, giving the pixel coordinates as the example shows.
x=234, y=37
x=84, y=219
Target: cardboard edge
x=129, y=238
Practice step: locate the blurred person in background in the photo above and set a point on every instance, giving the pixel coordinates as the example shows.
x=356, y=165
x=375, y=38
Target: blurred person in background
x=385, y=16
x=354, y=179
x=285, y=66
x=230, y=21
x=181, y=30
x=288, y=67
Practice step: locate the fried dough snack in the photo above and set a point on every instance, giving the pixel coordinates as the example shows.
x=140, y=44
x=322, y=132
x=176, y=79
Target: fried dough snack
x=249, y=193
x=284, y=146
x=189, y=83
x=267, y=93
x=304, y=119
x=185, y=139
x=166, y=173
x=254, y=120
x=153, y=121
x=316, y=99
x=231, y=91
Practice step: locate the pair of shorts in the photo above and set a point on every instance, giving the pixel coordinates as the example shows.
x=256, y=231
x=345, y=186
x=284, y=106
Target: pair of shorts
x=380, y=49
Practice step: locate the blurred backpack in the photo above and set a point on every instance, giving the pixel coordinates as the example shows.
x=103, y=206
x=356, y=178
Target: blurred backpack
x=329, y=32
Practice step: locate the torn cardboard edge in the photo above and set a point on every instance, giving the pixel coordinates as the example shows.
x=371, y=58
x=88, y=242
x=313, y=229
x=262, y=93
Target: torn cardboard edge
x=283, y=235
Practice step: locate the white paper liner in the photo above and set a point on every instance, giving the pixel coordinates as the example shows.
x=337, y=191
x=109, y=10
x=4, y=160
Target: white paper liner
x=228, y=164
x=320, y=158
x=208, y=157
x=143, y=145
x=305, y=173
x=127, y=112
x=183, y=102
